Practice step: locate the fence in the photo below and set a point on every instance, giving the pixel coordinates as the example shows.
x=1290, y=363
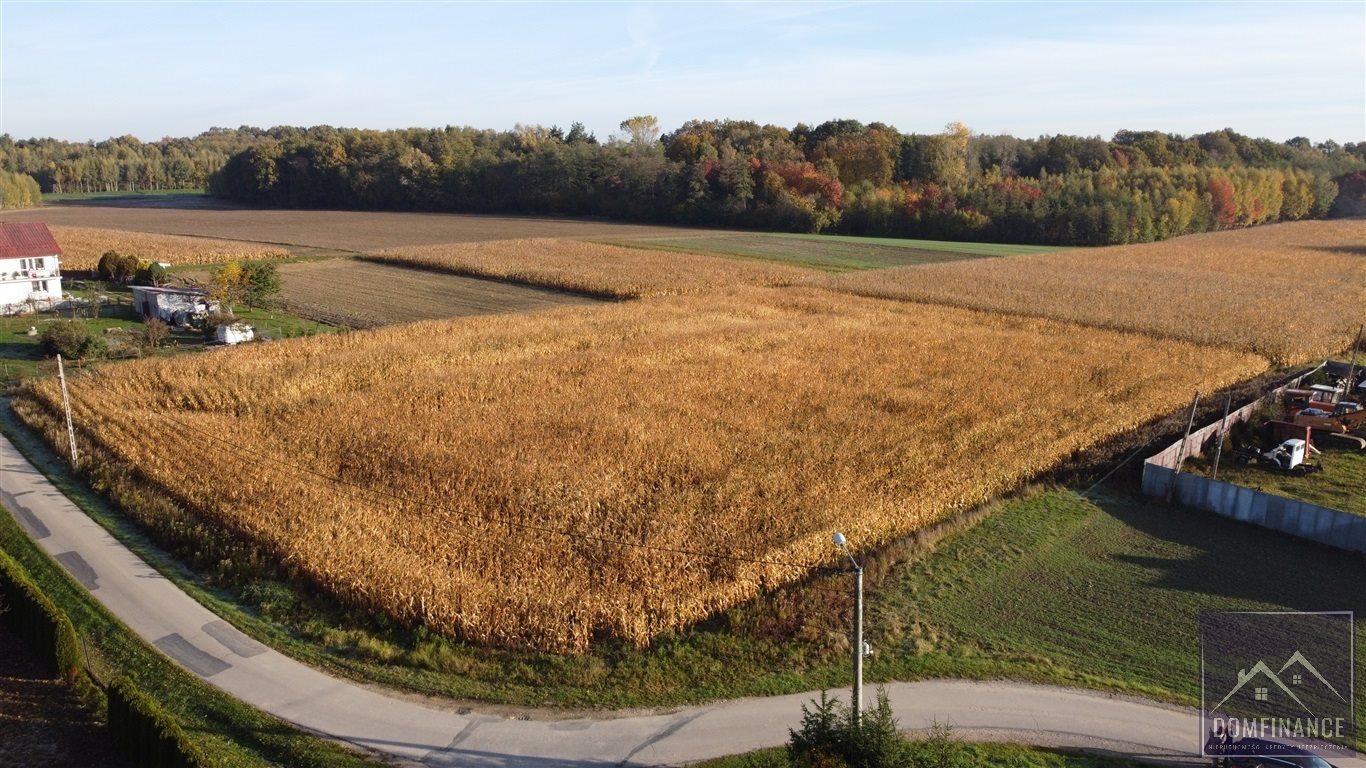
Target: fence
x=1297, y=518
x=1195, y=444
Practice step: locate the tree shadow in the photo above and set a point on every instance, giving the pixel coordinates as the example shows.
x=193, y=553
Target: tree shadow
x=1348, y=250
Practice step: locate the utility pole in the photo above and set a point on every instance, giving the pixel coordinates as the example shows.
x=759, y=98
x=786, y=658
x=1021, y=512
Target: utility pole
x=66, y=406
x=1181, y=450
x=1352, y=372
x=1223, y=427
x=856, y=635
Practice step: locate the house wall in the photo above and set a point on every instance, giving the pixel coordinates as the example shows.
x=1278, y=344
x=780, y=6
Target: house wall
x=15, y=290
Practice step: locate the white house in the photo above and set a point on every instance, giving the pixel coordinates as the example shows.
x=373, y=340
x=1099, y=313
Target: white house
x=29, y=267
x=174, y=306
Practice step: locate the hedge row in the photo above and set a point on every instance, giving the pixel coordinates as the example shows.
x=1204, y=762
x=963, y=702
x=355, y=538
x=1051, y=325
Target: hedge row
x=138, y=726
x=142, y=730
x=45, y=629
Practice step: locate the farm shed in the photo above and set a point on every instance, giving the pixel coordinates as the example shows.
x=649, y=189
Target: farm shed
x=234, y=333
x=29, y=268
x=175, y=306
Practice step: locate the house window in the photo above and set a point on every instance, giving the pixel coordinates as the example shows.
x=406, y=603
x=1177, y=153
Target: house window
x=1259, y=694
x=23, y=264
x=37, y=286
x=1296, y=679
x=37, y=263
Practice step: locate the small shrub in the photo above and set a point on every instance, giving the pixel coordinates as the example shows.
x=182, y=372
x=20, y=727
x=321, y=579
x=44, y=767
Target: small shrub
x=71, y=339
x=151, y=273
x=154, y=332
x=940, y=749
x=828, y=737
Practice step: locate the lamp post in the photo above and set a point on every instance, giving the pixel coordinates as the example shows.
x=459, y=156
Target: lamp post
x=856, y=636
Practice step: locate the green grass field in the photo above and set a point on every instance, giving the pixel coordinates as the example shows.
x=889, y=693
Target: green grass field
x=1107, y=593
x=832, y=253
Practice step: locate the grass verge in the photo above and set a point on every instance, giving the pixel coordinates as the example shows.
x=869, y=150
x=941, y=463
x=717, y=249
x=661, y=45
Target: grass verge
x=231, y=733
x=969, y=756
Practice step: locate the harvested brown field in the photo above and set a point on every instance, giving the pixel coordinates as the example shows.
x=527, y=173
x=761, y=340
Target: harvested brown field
x=603, y=270
x=346, y=231
x=526, y=480
x=82, y=247
x=359, y=294
x=1290, y=292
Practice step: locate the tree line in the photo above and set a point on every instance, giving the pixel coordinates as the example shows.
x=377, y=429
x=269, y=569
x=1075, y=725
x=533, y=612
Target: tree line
x=840, y=176
x=125, y=164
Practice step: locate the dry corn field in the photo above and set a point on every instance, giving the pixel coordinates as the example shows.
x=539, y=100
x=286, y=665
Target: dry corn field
x=82, y=247
x=602, y=270
x=746, y=423
x=1289, y=292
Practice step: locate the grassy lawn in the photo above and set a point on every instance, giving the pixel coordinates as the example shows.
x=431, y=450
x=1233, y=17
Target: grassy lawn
x=232, y=733
x=970, y=756
x=21, y=355
x=1106, y=593
x=832, y=253
x=1341, y=484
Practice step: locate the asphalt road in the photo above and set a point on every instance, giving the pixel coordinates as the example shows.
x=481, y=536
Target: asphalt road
x=427, y=734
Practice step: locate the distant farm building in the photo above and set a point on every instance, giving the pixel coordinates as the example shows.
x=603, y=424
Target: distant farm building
x=30, y=273
x=173, y=306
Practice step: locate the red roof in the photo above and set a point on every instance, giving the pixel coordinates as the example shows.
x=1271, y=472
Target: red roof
x=22, y=240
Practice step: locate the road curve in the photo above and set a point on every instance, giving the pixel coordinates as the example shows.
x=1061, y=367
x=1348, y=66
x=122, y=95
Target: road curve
x=425, y=734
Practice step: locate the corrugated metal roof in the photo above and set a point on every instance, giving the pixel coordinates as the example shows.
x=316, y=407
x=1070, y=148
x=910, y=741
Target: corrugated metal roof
x=22, y=240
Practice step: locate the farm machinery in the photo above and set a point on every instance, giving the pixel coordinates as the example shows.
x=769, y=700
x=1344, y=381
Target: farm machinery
x=1342, y=422
x=1288, y=457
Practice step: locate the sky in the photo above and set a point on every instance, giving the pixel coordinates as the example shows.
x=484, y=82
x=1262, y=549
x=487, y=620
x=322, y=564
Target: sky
x=89, y=71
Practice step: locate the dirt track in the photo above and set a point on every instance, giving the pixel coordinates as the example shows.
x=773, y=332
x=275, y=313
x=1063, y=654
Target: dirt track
x=359, y=294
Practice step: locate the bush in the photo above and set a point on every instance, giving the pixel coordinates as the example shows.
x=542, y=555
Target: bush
x=144, y=732
x=44, y=628
x=151, y=273
x=117, y=268
x=828, y=737
x=72, y=340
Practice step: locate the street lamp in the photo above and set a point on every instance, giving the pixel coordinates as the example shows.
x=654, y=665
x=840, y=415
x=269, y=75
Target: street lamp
x=856, y=638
